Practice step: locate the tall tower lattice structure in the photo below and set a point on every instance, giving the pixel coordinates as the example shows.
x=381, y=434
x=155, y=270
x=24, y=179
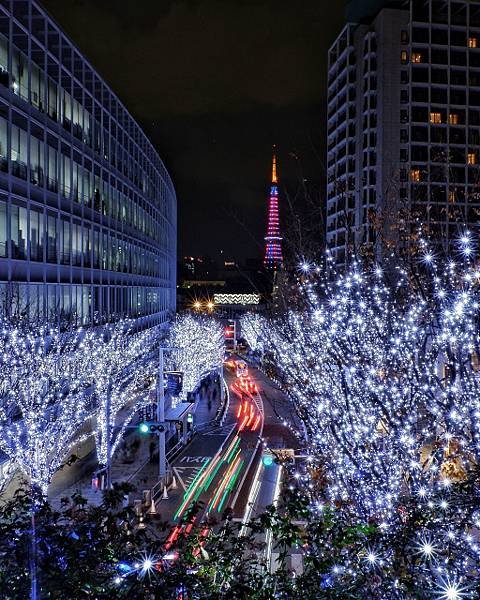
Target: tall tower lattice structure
x=273, y=259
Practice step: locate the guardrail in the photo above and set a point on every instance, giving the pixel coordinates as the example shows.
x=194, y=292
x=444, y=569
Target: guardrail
x=223, y=410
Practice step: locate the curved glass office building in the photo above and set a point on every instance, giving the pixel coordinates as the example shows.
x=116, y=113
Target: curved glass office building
x=87, y=208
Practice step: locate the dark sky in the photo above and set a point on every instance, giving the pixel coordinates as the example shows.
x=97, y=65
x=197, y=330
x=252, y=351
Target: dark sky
x=215, y=83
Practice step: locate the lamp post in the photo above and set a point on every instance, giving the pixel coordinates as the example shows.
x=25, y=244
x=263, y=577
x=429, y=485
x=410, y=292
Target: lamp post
x=162, y=427
x=162, y=463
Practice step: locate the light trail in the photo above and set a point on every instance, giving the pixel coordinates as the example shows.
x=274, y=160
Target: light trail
x=269, y=534
x=257, y=421
x=229, y=488
x=252, y=498
x=226, y=480
x=204, y=478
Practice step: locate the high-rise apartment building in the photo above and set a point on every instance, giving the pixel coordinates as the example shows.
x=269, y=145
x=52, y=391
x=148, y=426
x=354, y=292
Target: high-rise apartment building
x=87, y=208
x=403, y=123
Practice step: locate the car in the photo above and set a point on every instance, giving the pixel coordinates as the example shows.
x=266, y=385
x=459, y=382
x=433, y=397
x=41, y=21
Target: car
x=241, y=368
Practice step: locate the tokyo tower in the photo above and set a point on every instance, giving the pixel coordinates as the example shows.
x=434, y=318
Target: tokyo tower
x=273, y=259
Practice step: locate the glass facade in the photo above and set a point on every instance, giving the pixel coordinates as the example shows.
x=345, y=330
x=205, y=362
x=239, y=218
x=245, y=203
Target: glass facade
x=87, y=208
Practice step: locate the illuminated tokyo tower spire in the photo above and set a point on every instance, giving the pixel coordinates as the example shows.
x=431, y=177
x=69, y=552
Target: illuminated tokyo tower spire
x=273, y=259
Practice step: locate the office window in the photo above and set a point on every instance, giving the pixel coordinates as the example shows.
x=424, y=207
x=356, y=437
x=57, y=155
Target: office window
x=19, y=74
x=36, y=161
x=87, y=193
x=36, y=235
x=76, y=244
x=453, y=119
x=3, y=229
x=471, y=158
x=416, y=57
x=53, y=100
x=87, y=247
x=3, y=145
x=404, y=36
x=18, y=232
x=66, y=304
x=472, y=42
x=4, y=60
x=51, y=239
x=435, y=117
x=66, y=109
x=404, y=57
x=37, y=87
x=66, y=176
x=18, y=152
x=96, y=249
x=65, y=242
x=415, y=175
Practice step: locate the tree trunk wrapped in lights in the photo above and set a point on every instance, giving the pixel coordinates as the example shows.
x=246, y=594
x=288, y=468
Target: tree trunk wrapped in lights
x=43, y=403
x=121, y=365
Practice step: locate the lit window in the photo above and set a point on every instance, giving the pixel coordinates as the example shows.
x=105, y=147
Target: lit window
x=453, y=119
x=471, y=158
x=472, y=42
x=415, y=175
x=452, y=196
x=416, y=57
x=435, y=117
x=404, y=56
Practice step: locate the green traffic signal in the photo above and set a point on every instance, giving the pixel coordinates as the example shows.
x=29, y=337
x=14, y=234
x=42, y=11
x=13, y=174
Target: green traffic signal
x=144, y=428
x=267, y=460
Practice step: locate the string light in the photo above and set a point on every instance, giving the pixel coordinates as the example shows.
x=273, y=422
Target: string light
x=384, y=376
x=121, y=371
x=44, y=377
x=201, y=348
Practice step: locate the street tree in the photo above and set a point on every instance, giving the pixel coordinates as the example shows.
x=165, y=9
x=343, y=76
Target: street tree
x=122, y=368
x=200, y=347
x=44, y=404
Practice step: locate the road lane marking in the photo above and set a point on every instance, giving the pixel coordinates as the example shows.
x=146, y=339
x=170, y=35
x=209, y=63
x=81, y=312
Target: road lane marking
x=186, y=475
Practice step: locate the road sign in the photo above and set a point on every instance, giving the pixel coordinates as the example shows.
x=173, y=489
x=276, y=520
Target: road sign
x=173, y=382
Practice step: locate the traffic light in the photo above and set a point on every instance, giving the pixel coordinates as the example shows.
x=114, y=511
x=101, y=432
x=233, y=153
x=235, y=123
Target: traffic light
x=190, y=418
x=267, y=460
x=144, y=428
x=151, y=427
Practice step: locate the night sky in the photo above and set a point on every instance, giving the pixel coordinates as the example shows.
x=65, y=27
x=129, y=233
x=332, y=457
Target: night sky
x=214, y=84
